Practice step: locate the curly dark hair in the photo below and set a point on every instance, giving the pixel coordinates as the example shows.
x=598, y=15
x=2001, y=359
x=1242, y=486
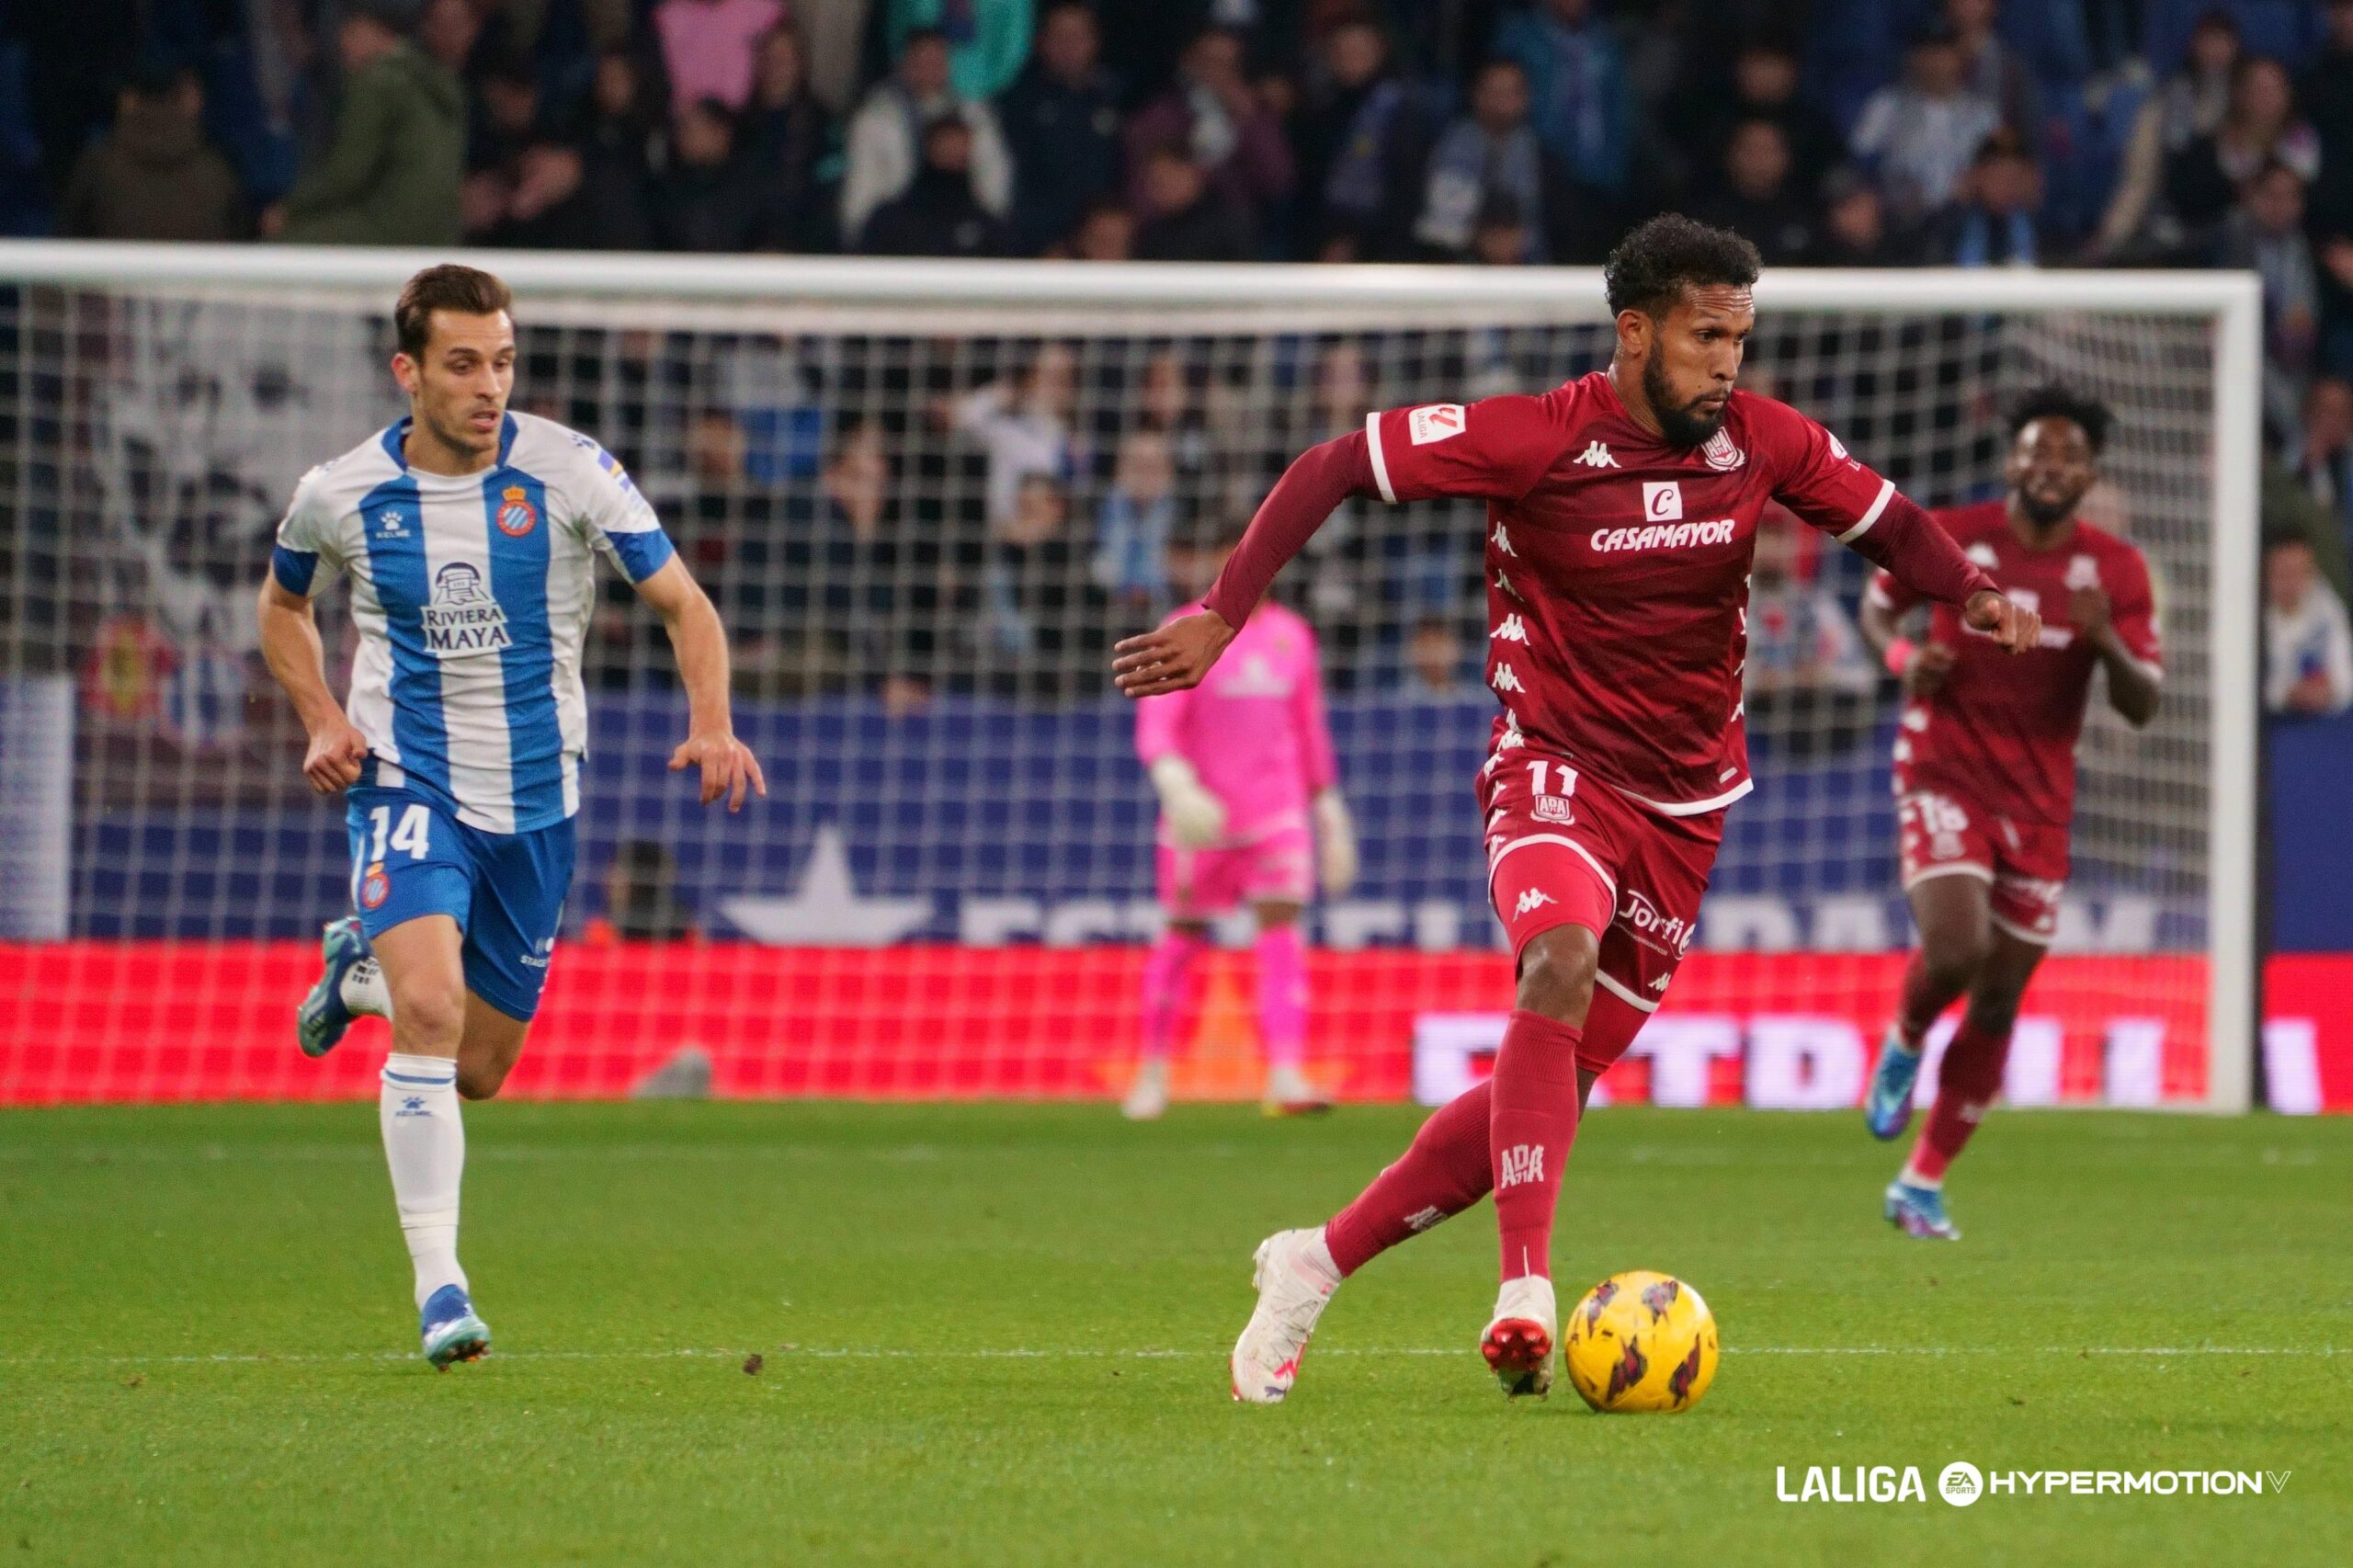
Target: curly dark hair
x=2054, y=400
x=1658, y=260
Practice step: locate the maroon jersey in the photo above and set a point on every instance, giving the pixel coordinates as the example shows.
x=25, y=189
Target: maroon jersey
x=1618, y=568
x=2002, y=728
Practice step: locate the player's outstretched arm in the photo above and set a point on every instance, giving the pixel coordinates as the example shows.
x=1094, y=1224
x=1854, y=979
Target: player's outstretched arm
x=290, y=646
x=1179, y=655
x=728, y=767
x=1905, y=542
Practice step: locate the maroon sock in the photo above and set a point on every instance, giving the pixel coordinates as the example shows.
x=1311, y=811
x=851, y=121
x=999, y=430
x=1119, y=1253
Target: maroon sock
x=1531, y=1123
x=1441, y=1173
x=1966, y=1085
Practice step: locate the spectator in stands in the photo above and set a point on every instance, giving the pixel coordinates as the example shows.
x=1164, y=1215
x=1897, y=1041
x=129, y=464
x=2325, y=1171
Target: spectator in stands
x=1214, y=118
x=707, y=199
x=1996, y=222
x=789, y=141
x=1854, y=230
x=707, y=48
x=2321, y=457
x=1764, y=86
x=546, y=202
x=1583, y=105
x=1034, y=592
x=2265, y=234
x=1918, y=136
x=1107, y=232
x=1361, y=142
x=2136, y=227
x=1023, y=422
x=1434, y=658
x=1137, y=521
x=987, y=40
x=1186, y=218
x=885, y=136
x=1993, y=70
x=154, y=176
x=1490, y=160
x=1758, y=194
x=939, y=213
x=2259, y=127
x=2327, y=91
x=504, y=117
x=613, y=132
x=1500, y=237
x=391, y=174
x=1807, y=678
x=448, y=30
x=2307, y=645
x=1061, y=122
x=859, y=551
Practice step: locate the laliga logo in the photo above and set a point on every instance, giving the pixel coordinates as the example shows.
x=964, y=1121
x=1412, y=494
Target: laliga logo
x=1643, y=914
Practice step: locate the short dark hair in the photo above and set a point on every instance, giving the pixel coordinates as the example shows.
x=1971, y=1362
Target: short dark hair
x=2054, y=400
x=1659, y=259
x=468, y=290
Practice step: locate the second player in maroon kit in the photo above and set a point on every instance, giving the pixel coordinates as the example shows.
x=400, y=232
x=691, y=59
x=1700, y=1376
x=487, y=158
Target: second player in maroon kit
x=1985, y=773
x=1621, y=510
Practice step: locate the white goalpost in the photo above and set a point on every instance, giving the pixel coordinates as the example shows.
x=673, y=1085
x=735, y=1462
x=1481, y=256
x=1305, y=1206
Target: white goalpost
x=927, y=495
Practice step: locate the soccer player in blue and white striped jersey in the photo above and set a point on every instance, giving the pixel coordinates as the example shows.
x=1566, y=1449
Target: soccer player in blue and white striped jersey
x=470, y=536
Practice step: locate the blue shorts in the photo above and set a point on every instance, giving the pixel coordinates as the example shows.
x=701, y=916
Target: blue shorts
x=506, y=891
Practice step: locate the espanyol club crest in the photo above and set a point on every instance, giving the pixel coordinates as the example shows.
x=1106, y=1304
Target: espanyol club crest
x=516, y=515
x=375, y=887
x=1722, y=455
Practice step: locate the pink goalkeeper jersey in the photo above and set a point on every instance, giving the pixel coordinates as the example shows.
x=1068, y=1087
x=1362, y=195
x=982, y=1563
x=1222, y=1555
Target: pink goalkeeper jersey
x=1254, y=729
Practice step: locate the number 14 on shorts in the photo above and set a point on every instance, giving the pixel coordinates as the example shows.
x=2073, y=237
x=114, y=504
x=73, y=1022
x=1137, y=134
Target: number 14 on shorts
x=412, y=834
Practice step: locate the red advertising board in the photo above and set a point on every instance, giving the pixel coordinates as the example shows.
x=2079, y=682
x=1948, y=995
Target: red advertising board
x=135, y=1021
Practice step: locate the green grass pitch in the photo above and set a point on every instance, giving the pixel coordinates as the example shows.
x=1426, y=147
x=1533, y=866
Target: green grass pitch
x=996, y=1333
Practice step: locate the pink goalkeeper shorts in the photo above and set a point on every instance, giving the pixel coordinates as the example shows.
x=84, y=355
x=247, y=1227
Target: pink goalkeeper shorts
x=1200, y=884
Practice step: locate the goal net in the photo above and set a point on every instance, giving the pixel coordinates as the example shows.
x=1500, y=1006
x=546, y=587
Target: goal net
x=926, y=498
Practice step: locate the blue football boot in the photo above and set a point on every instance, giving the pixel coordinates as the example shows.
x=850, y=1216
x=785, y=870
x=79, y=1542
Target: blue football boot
x=450, y=1330
x=1887, y=1110
x=320, y=1022
x=1919, y=1211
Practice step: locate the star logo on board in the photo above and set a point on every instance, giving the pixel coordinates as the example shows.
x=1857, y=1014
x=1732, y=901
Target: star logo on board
x=827, y=909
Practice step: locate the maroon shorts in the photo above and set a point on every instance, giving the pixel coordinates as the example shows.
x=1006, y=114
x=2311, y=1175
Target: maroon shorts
x=1943, y=833
x=1565, y=851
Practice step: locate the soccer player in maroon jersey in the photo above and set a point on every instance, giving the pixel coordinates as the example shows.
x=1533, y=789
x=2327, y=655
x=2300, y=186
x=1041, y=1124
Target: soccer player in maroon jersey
x=1986, y=772
x=1621, y=513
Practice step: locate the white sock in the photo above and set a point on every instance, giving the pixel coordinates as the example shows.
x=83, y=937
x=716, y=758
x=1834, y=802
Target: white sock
x=364, y=991
x=1895, y=1037
x=1912, y=1178
x=425, y=1144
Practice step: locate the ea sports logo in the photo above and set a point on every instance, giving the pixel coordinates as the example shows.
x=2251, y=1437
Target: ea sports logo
x=1960, y=1484
x=375, y=887
x=516, y=515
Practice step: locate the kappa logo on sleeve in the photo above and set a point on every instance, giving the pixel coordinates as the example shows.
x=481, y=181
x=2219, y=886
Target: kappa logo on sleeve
x=1434, y=422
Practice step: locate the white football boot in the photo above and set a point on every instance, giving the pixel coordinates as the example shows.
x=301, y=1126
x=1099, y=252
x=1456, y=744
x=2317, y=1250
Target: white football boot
x=1289, y=1093
x=1295, y=1277
x=1518, y=1342
x=1148, y=1095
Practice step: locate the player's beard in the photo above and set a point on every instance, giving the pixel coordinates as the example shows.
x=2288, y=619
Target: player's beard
x=2046, y=515
x=1677, y=423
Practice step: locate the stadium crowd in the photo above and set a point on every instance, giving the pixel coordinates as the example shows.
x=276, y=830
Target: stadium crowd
x=1839, y=132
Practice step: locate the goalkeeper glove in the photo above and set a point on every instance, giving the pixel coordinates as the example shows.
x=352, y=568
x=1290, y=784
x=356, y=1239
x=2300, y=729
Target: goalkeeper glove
x=1335, y=845
x=1196, y=817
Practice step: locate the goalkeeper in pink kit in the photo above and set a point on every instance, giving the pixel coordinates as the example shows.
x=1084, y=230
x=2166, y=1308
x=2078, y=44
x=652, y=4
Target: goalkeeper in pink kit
x=1250, y=813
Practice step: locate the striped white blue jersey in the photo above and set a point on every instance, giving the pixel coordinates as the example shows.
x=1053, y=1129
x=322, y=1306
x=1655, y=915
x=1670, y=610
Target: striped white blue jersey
x=472, y=596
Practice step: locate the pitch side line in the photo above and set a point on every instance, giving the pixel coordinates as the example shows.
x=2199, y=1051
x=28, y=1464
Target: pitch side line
x=857, y=1353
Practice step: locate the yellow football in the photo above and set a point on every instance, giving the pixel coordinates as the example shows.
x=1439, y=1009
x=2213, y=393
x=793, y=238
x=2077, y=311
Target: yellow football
x=1641, y=1341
